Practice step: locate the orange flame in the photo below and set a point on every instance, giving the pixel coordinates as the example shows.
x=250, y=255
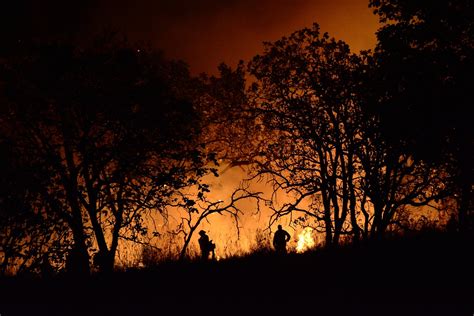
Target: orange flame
x=305, y=240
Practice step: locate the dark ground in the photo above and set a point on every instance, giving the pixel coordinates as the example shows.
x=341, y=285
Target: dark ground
x=430, y=274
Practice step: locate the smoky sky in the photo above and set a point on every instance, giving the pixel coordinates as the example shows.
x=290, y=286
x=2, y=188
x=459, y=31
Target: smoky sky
x=203, y=33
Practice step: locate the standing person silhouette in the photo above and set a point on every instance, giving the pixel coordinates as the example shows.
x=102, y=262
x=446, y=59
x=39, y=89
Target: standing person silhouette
x=452, y=224
x=206, y=245
x=47, y=271
x=280, y=239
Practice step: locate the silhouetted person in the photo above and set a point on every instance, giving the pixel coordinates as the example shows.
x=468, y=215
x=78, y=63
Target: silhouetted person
x=47, y=270
x=206, y=245
x=452, y=224
x=280, y=239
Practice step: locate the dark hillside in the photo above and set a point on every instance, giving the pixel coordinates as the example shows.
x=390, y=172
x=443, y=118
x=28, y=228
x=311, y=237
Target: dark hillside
x=420, y=275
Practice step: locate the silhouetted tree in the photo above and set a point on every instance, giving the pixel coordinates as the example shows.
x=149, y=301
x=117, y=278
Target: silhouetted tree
x=425, y=64
x=105, y=134
x=305, y=94
x=325, y=148
x=26, y=230
x=391, y=181
x=228, y=135
x=199, y=207
x=229, y=127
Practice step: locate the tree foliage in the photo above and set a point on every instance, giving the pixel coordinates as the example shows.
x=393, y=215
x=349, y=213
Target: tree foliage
x=104, y=138
x=425, y=63
x=325, y=149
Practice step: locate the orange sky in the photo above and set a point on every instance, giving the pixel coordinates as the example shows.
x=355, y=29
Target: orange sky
x=207, y=32
x=202, y=32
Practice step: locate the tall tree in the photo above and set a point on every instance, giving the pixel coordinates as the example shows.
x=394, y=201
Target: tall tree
x=305, y=94
x=228, y=135
x=425, y=59
x=106, y=126
x=325, y=148
x=229, y=127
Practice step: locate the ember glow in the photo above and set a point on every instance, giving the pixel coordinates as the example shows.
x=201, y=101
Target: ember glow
x=305, y=240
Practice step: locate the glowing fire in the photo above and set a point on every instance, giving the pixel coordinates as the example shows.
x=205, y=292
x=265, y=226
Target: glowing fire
x=305, y=240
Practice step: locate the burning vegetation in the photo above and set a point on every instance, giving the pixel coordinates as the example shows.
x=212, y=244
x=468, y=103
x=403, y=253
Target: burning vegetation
x=305, y=240
x=98, y=142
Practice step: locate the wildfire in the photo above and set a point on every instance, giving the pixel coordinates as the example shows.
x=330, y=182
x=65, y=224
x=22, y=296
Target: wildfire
x=305, y=240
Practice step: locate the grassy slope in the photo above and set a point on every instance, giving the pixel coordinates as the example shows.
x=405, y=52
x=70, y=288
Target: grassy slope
x=426, y=274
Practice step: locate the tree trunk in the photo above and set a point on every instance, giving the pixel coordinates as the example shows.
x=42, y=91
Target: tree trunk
x=115, y=239
x=465, y=179
x=78, y=257
x=182, y=254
